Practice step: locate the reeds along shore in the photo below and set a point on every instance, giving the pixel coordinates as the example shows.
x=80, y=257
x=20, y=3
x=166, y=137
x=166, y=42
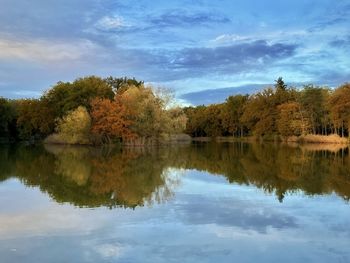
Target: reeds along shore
x=308, y=139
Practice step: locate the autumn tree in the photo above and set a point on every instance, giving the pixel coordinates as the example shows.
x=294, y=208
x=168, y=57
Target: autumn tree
x=74, y=128
x=148, y=114
x=111, y=119
x=232, y=111
x=261, y=110
x=291, y=120
x=260, y=113
x=213, y=123
x=177, y=120
x=339, y=104
x=314, y=102
x=136, y=112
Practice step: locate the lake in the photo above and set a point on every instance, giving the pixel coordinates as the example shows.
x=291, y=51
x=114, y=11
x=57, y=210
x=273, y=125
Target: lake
x=206, y=202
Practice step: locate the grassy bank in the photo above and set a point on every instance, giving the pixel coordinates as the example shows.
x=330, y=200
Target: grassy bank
x=309, y=138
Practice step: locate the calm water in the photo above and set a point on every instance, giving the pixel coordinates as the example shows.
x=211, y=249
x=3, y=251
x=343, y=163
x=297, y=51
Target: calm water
x=199, y=203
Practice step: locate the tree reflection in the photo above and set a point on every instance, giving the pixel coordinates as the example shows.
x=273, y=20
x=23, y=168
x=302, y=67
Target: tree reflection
x=92, y=177
x=277, y=168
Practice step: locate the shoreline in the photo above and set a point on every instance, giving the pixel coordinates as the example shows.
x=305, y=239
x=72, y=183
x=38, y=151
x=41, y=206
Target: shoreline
x=303, y=139
x=300, y=140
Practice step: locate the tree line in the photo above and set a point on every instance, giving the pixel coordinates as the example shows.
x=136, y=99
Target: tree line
x=92, y=110
x=279, y=110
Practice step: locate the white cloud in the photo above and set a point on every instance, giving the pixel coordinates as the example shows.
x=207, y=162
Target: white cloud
x=229, y=38
x=109, y=250
x=271, y=37
x=45, y=50
x=111, y=23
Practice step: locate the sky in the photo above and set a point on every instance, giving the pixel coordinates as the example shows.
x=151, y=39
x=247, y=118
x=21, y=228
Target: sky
x=204, y=50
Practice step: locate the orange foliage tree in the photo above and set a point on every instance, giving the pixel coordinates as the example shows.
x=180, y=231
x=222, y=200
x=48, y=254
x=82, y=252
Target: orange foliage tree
x=111, y=119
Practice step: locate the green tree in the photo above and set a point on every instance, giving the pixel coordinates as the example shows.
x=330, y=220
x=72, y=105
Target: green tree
x=35, y=119
x=119, y=85
x=66, y=96
x=283, y=93
x=196, y=121
x=280, y=85
x=205, y=120
x=7, y=118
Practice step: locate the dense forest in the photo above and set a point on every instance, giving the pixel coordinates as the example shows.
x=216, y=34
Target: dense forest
x=278, y=110
x=93, y=110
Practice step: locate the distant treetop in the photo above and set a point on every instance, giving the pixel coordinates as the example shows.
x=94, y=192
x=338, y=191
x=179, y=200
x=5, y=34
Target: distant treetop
x=280, y=85
x=119, y=85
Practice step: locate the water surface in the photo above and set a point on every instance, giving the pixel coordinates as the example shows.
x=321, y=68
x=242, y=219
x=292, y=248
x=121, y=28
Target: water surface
x=200, y=203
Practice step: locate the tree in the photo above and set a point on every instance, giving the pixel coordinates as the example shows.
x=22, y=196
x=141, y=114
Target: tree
x=196, y=121
x=280, y=85
x=137, y=112
x=313, y=100
x=177, y=120
x=148, y=113
x=232, y=112
x=35, y=118
x=291, y=120
x=74, y=128
x=339, y=104
x=213, y=124
x=119, y=85
x=7, y=118
x=283, y=94
x=111, y=119
x=260, y=113
x=66, y=96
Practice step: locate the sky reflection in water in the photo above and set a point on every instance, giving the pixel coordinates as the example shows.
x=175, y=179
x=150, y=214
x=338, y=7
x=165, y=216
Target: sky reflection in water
x=182, y=210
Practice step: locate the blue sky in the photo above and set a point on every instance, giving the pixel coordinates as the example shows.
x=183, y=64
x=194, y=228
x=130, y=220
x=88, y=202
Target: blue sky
x=197, y=48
